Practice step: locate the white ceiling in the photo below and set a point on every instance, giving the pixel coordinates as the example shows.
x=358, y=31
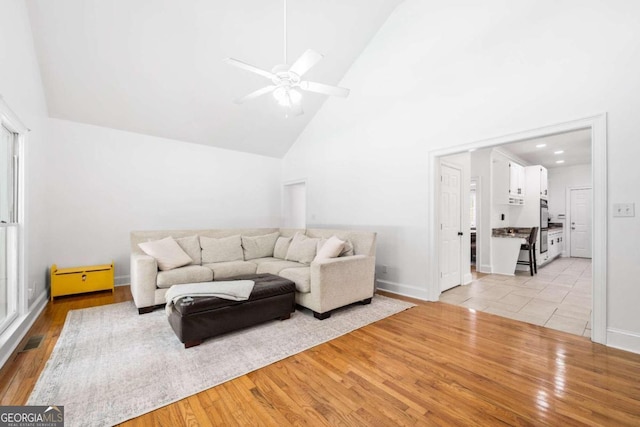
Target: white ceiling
x=155, y=66
x=576, y=147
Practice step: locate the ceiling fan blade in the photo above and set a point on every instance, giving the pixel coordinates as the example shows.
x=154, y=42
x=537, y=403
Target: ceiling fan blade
x=305, y=62
x=255, y=94
x=249, y=67
x=324, y=89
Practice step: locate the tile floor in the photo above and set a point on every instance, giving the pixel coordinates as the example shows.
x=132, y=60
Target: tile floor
x=558, y=297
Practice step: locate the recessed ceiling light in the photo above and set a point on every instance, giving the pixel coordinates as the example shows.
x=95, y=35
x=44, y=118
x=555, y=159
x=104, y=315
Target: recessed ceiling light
x=559, y=161
x=558, y=152
x=471, y=150
x=541, y=145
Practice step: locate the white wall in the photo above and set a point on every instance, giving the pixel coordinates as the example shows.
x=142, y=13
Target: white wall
x=440, y=74
x=21, y=88
x=104, y=183
x=559, y=180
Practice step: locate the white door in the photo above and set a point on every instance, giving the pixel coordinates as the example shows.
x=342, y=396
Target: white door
x=450, y=226
x=580, y=223
x=294, y=205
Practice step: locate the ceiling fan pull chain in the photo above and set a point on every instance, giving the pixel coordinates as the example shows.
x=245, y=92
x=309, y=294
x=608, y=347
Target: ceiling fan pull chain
x=285, y=32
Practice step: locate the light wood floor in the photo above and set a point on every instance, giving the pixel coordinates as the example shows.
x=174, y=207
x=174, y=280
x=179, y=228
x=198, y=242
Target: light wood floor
x=434, y=364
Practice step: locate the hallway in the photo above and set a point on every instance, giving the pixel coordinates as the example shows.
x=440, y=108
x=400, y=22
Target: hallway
x=558, y=297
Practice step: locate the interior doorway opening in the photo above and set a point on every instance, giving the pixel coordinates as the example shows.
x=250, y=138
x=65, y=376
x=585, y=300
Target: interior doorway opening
x=294, y=204
x=596, y=127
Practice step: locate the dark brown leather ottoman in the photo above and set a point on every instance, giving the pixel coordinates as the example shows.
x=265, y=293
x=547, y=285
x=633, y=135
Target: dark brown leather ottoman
x=272, y=297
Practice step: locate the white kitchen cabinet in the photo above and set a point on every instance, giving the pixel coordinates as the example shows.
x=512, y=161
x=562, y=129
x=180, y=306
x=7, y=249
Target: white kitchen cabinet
x=544, y=183
x=508, y=183
x=516, y=180
x=561, y=245
x=556, y=244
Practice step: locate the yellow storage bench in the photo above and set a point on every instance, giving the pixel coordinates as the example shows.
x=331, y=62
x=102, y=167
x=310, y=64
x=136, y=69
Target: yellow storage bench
x=78, y=280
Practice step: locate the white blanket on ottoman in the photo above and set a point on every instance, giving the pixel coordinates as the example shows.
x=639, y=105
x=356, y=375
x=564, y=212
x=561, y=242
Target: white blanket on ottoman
x=236, y=290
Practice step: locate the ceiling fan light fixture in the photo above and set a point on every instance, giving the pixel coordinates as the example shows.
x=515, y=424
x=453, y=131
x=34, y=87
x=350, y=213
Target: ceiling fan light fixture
x=287, y=96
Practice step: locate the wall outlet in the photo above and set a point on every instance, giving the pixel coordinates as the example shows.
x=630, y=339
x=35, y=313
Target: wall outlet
x=383, y=269
x=624, y=209
x=32, y=290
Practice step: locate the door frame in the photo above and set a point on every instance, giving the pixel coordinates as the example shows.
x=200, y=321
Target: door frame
x=598, y=126
x=460, y=212
x=286, y=184
x=567, y=246
x=478, y=181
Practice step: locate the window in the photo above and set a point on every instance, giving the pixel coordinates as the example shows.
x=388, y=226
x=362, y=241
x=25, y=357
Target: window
x=8, y=226
x=12, y=133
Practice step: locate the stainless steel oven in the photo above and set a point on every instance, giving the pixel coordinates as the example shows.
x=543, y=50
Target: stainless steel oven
x=544, y=215
x=543, y=240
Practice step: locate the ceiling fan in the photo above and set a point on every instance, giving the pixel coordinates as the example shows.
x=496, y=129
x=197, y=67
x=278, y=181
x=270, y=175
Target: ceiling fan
x=286, y=81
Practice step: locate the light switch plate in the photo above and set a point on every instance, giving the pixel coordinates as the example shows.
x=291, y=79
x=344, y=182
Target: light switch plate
x=624, y=209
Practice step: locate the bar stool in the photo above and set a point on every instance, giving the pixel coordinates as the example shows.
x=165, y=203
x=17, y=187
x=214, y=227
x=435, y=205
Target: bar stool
x=530, y=247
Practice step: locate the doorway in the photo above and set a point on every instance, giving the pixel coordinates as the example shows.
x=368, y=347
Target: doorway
x=596, y=126
x=474, y=221
x=294, y=204
x=579, y=220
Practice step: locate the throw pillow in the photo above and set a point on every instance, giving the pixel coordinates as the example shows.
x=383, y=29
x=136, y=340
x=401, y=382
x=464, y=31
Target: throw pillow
x=348, y=249
x=259, y=246
x=281, y=247
x=221, y=250
x=302, y=249
x=191, y=245
x=330, y=248
x=167, y=252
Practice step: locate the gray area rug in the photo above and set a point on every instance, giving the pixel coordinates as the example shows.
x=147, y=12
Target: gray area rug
x=111, y=364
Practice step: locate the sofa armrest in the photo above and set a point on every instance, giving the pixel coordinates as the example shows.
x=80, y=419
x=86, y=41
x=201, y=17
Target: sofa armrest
x=144, y=272
x=340, y=281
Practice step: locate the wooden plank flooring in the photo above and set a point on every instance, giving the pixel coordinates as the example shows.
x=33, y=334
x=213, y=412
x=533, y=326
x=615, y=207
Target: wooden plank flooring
x=434, y=364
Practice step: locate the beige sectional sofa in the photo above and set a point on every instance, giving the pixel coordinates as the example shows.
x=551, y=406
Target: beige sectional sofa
x=322, y=285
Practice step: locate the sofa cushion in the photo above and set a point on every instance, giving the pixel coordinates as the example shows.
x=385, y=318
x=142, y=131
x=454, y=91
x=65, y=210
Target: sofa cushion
x=221, y=250
x=259, y=261
x=329, y=248
x=302, y=249
x=301, y=276
x=167, y=252
x=187, y=274
x=191, y=245
x=227, y=269
x=276, y=266
x=259, y=246
x=282, y=246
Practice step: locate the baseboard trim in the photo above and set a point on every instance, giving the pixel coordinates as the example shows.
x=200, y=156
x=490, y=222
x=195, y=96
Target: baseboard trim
x=468, y=278
x=623, y=340
x=484, y=268
x=122, y=280
x=402, y=289
x=12, y=337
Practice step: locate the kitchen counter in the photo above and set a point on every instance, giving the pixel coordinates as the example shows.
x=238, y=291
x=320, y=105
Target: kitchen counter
x=505, y=248
x=512, y=232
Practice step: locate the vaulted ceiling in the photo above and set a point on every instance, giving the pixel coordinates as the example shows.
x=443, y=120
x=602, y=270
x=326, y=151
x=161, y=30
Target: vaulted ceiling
x=155, y=66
